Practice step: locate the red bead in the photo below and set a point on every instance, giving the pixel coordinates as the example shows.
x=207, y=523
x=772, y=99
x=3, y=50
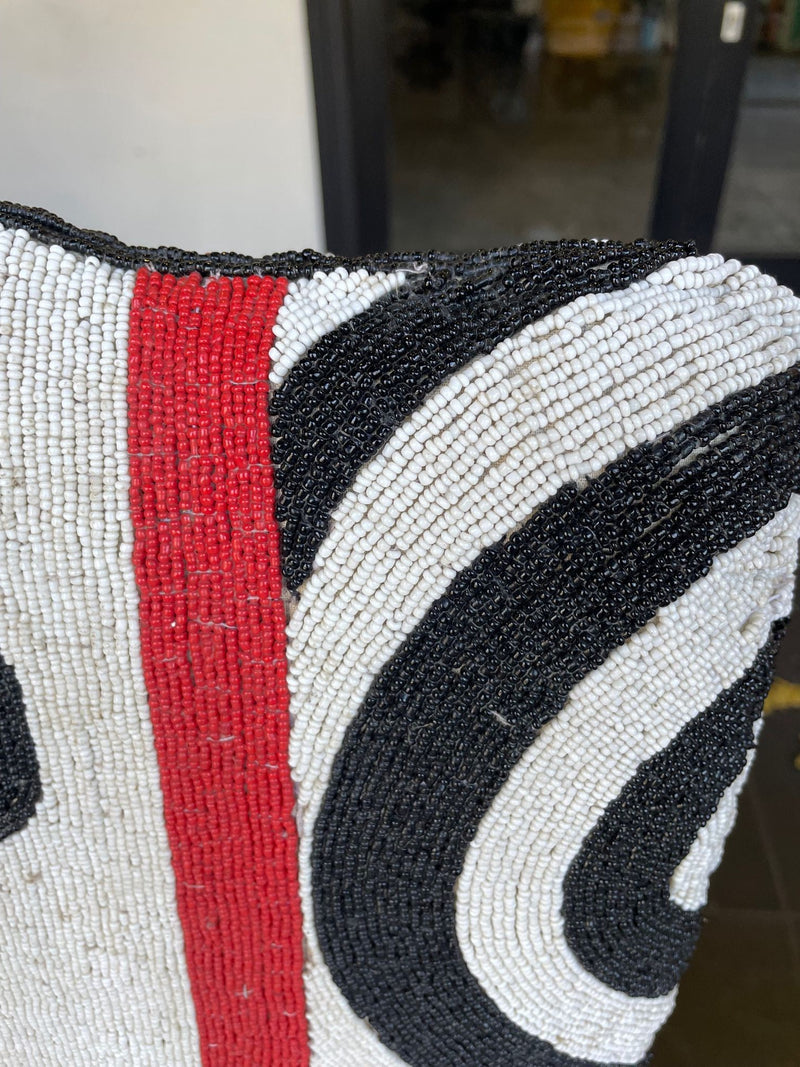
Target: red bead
x=213, y=650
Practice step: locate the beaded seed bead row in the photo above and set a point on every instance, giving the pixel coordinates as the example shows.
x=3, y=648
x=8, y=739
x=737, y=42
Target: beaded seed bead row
x=49, y=229
x=315, y=306
x=494, y=660
x=213, y=648
x=509, y=895
x=339, y=406
x=478, y=457
x=91, y=959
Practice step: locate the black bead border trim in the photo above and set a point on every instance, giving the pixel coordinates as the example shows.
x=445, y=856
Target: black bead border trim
x=50, y=229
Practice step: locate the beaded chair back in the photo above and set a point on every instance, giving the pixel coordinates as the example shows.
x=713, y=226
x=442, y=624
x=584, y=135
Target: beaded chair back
x=383, y=642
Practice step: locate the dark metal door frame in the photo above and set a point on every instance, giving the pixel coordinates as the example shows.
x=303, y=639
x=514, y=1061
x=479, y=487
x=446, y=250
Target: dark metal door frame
x=348, y=41
x=349, y=51
x=705, y=89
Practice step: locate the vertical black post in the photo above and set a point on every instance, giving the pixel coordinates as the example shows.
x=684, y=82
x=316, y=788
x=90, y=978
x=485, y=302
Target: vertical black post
x=707, y=78
x=349, y=60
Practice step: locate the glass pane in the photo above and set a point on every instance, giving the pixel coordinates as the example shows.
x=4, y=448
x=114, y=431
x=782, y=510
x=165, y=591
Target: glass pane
x=760, y=209
x=516, y=120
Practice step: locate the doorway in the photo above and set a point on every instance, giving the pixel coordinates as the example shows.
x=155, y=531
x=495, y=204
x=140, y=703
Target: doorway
x=479, y=123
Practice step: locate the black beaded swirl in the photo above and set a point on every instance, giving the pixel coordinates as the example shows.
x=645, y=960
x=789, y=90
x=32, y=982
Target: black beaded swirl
x=618, y=917
x=341, y=403
x=20, y=787
x=493, y=660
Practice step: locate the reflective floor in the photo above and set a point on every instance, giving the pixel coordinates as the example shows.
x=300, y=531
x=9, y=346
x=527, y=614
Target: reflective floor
x=760, y=210
x=570, y=151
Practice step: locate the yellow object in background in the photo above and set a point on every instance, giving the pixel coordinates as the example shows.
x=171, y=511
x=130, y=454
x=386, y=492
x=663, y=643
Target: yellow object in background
x=580, y=28
x=781, y=696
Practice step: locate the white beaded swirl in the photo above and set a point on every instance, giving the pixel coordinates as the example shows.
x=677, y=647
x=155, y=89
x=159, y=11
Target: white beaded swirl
x=509, y=894
x=556, y=403
x=314, y=306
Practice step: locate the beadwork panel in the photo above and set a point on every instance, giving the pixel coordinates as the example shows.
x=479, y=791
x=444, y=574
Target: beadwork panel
x=92, y=968
x=213, y=649
x=532, y=516
x=503, y=441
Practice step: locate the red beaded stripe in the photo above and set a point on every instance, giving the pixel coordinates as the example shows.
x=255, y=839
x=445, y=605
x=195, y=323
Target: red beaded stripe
x=213, y=650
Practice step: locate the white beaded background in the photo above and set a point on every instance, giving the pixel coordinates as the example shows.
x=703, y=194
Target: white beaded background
x=92, y=968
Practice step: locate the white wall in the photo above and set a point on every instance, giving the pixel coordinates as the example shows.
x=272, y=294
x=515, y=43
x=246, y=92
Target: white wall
x=186, y=122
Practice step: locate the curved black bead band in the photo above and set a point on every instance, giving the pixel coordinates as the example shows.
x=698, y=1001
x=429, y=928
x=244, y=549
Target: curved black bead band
x=493, y=660
x=342, y=402
x=618, y=917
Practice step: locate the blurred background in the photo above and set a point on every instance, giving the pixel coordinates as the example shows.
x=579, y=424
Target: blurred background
x=464, y=123
x=514, y=120
x=356, y=125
